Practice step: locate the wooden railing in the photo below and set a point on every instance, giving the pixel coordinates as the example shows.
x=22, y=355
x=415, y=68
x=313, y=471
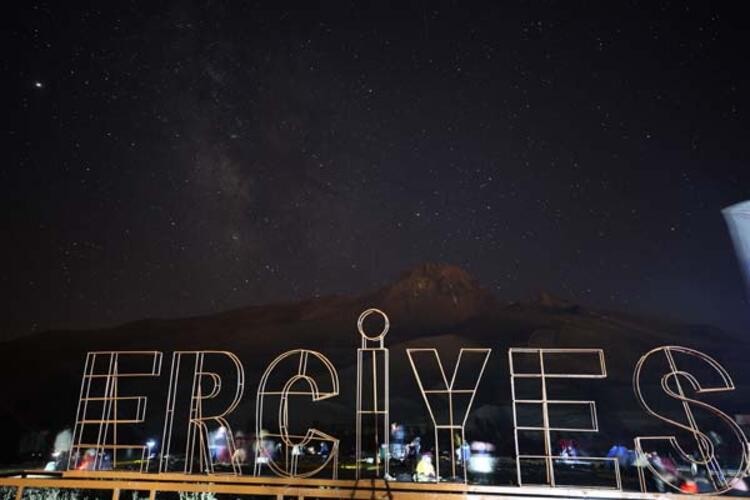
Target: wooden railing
x=150, y=485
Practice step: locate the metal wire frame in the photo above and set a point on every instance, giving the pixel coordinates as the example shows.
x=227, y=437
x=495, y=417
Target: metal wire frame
x=381, y=415
x=109, y=413
x=290, y=465
x=545, y=428
x=197, y=430
x=705, y=447
x=449, y=390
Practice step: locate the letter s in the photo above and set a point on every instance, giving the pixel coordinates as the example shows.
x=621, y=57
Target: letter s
x=671, y=384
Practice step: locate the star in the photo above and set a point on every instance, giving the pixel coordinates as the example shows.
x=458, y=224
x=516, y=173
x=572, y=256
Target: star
x=187, y=164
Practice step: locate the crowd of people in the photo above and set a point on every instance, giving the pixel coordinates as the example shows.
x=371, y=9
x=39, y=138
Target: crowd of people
x=414, y=458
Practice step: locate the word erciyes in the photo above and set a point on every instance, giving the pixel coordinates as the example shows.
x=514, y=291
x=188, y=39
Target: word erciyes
x=308, y=373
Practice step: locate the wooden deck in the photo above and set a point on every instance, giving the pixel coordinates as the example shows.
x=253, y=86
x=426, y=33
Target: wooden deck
x=280, y=488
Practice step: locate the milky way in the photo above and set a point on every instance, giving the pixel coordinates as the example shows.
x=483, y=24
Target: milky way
x=172, y=160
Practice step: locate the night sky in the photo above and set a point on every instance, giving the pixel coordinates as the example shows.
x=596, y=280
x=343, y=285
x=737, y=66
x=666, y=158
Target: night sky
x=166, y=159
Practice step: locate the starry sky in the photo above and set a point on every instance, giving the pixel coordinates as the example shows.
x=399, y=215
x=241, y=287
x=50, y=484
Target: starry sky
x=166, y=159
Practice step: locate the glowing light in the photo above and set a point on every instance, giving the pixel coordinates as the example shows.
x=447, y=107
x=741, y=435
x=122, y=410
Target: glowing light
x=482, y=464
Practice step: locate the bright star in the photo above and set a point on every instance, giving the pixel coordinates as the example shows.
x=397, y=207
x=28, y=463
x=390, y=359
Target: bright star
x=38, y=84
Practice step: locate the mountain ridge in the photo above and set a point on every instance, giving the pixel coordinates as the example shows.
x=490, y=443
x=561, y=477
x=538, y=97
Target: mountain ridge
x=432, y=302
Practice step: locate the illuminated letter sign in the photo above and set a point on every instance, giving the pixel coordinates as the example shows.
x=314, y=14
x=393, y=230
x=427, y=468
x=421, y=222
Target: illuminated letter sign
x=298, y=360
x=543, y=402
x=100, y=405
x=454, y=420
x=106, y=403
x=377, y=387
x=672, y=383
x=198, y=435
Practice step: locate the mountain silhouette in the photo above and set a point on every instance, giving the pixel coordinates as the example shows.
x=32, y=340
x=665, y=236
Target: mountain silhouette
x=432, y=305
